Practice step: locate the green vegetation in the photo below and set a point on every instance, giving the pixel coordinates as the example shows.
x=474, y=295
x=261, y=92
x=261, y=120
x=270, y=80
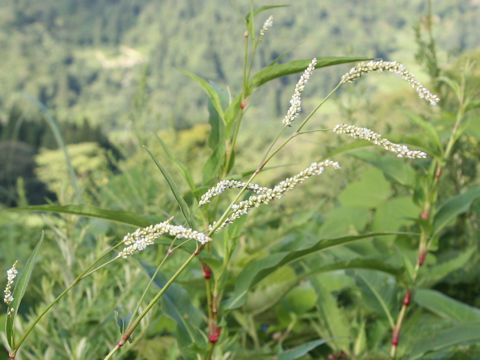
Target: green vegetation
x=378, y=259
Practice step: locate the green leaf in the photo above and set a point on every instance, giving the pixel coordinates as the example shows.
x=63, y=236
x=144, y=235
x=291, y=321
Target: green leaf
x=444, y=339
x=275, y=71
x=257, y=270
x=216, y=139
x=232, y=112
x=394, y=169
x=271, y=290
x=300, y=350
x=344, y=220
x=453, y=207
x=262, y=9
x=445, y=306
x=359, y=263
x=455, y=86
x=178, y=307
x=377, y=290
x=394, y=213
x=437, y=272
x=19, y=291
x=334, y=321
x=173, y=187
x=370, y=191
x=429, y=129
x=212, y=94
x=187, y=176
x=90, y=211
x=301, y=298
x=213, y=165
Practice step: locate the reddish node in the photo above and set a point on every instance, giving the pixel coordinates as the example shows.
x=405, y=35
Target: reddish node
x=395, y=339
x=243, y=104
x=408, y=297
x=207, y=272
x=215, y=334
x=425, y=214
x=421, y=258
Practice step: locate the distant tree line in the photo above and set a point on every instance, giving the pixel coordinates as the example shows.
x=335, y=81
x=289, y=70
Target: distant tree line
x=21, y=138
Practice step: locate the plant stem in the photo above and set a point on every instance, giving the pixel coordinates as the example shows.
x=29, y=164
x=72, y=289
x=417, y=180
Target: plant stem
x=428, y=233
x=157, y=297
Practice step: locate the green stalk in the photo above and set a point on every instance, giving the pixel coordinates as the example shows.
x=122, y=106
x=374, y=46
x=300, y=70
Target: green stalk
x=427, y=237
x=157, y=297
x=267, y=158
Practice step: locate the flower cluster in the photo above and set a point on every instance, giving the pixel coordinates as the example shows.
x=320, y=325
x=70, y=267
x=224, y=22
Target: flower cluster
x=143, y=237
x=8, y=297
x=395, y=67
x=230, y=184
x=366, y=134
x=277, y=192
x=296, y=100
x=266, y=25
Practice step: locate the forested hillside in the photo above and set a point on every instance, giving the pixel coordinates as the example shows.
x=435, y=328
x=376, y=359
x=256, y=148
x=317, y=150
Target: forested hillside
x=88, y=58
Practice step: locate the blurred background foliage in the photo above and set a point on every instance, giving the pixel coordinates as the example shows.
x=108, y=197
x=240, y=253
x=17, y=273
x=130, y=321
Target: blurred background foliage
x=107, y=71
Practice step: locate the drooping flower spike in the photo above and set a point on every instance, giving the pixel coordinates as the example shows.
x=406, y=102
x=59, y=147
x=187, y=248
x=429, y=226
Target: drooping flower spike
x=296, y=100
x=394, y=67
x=143, y=237
x=229, y=184
x=264, y=198
x=366, y=134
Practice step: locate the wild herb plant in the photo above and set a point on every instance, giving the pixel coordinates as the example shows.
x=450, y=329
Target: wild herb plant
x=239, y=286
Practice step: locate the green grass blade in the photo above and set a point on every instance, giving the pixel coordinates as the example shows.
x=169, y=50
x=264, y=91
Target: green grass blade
x=61, y=144
x=212, y=94
x=90, y=211
x=187, y=176
x=19, y=291
x=173, y=187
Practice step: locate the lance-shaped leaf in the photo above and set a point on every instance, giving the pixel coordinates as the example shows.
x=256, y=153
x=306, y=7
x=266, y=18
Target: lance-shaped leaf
x=257, y=270
x=175, y=191
x=453, y=207
x=91, y=211
x=275, y=71
x=212, y=94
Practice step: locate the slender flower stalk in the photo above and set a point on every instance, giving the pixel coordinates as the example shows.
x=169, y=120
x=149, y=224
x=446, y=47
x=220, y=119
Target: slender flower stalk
x=266, y=26
x=230, y=184
x=296, y=100
x=143, y=237
x=366, y=134
x=395, y=67
x=8, y=296
x=254, y=201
